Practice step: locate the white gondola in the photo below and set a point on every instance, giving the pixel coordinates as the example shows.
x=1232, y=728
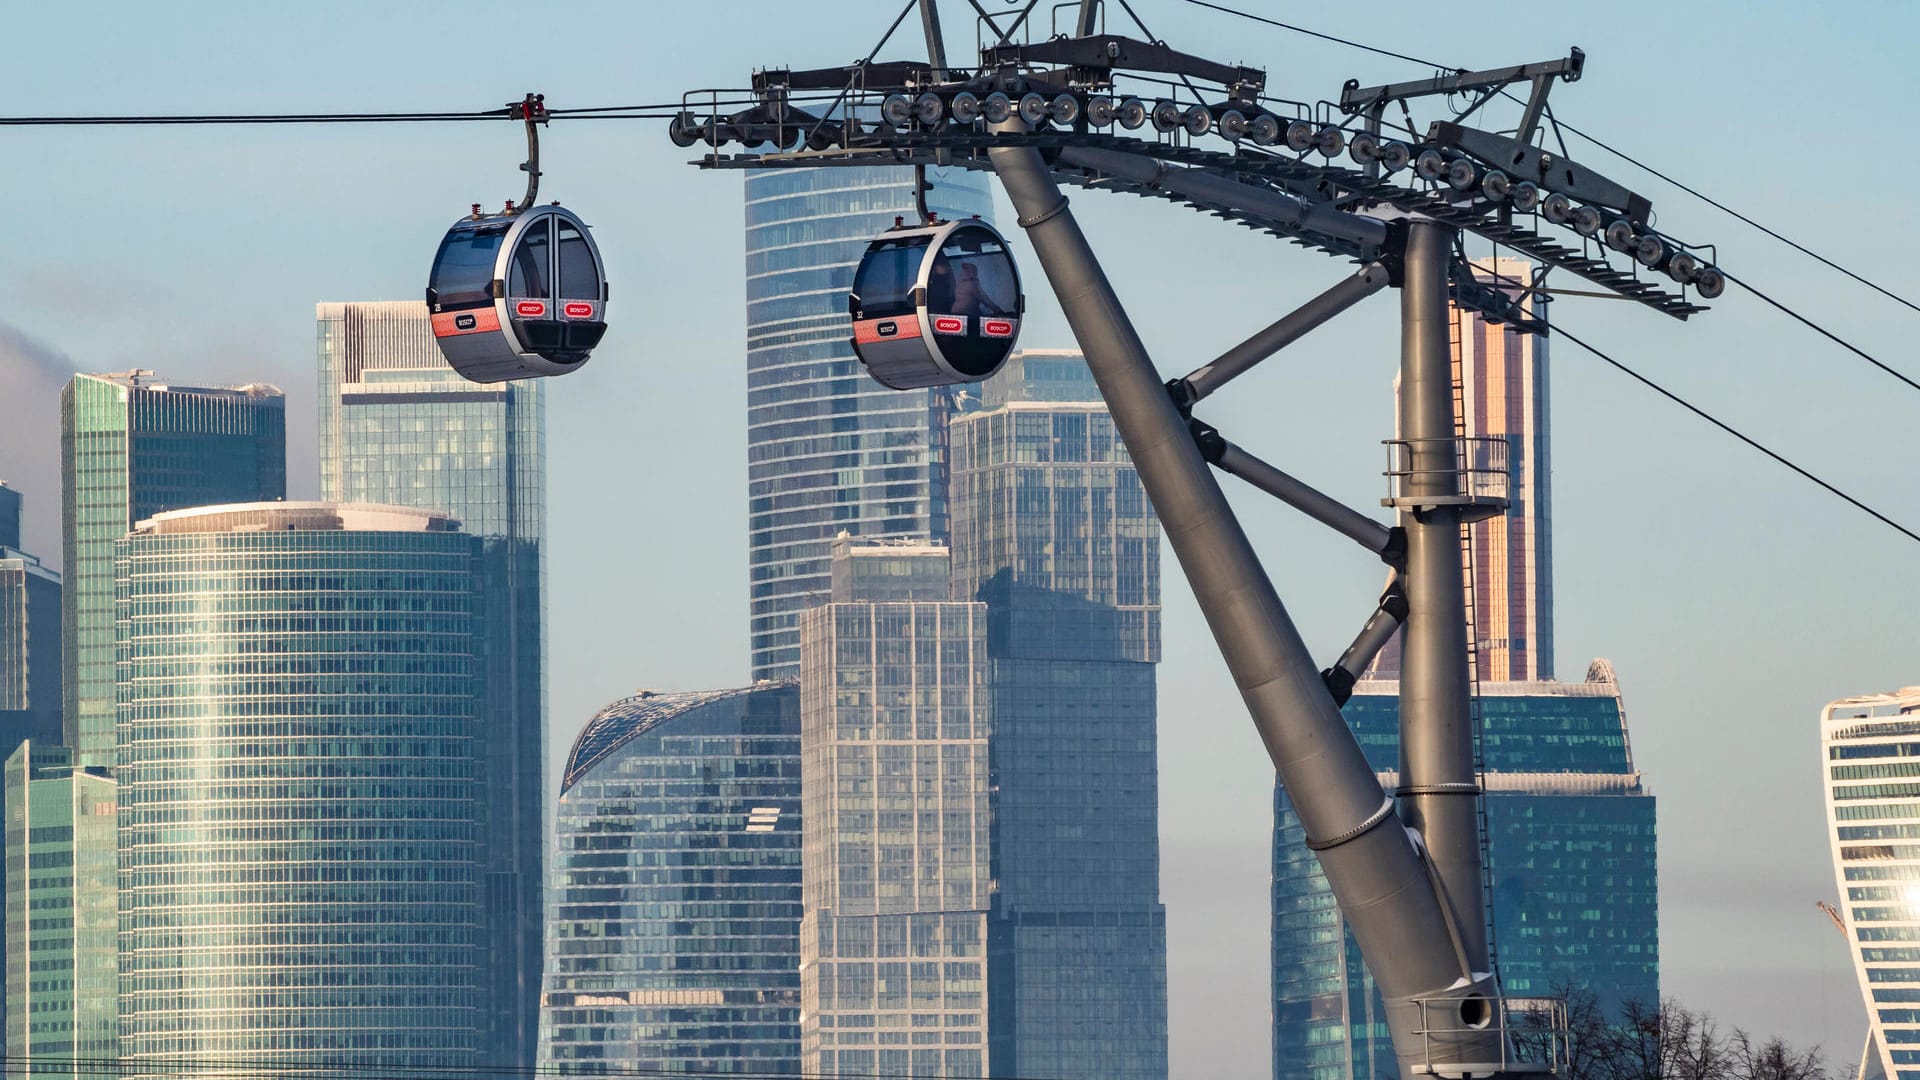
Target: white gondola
x=936, y=305
x=514, y=295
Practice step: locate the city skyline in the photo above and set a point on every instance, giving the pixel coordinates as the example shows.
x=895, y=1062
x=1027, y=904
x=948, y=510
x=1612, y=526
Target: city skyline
x=1712, y=621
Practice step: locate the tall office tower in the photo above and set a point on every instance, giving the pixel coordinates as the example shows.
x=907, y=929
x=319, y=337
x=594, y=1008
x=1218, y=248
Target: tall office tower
x=1052, y=531
x=673, y=939
x=301, y=809
x=61, y=974
x=130, y=448
x=1572, y=851
x=828, y=449
x=9, y=516
x=896, y=834
x=1036, y=375
x=1503, y=379
x=1871, y=754
x=29, y=657
x=399, y=426
x=29, y=649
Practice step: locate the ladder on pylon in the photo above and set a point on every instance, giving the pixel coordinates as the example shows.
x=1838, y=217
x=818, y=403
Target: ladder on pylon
x=1456, y=326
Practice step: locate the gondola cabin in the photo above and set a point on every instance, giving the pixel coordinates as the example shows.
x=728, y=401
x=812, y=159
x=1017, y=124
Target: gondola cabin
x=936, y=305
x=518, y=295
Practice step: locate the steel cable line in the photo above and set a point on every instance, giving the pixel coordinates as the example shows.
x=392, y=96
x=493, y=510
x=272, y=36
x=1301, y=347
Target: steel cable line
x=1559, y=331
x=234, y=1069
x=1622, y=155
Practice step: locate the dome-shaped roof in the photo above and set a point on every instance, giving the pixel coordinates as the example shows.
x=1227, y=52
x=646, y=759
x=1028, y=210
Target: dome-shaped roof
x=630, y=717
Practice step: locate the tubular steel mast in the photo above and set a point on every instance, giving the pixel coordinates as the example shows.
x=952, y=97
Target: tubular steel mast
x=1405, y=867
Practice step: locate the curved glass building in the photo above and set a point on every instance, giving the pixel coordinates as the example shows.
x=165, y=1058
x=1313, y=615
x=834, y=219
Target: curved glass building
x=300, y=817
x=1871, y=747
x=673, y=932
x=829, y=449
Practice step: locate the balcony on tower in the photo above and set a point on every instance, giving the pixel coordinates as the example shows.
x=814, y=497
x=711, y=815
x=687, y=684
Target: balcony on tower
x=1471, y=473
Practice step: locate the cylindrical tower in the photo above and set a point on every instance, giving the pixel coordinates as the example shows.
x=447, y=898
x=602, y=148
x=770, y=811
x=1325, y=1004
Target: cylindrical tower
x=300, y=815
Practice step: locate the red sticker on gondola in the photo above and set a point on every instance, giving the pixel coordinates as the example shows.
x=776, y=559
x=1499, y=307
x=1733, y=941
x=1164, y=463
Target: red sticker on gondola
x=996, y=327
x=579, y=311
x=530, y=309
x=949, y=324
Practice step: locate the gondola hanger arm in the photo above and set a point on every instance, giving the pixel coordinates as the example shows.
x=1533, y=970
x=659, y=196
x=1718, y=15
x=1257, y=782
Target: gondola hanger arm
x=533, y=112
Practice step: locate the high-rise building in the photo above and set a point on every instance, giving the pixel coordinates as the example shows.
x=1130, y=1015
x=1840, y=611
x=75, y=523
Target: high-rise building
x=399, y=426
x=9, y=516
x=896, y=827
x=1035, y=375
x=29, y=658
x=1870, y=747
x=29, y=647
x=1571, y=847
x=828, y=449
x=132, y=447
x=1502, y=375
x=61, y=974
x=1053, y=532
x=673, y=935
x=301, y=806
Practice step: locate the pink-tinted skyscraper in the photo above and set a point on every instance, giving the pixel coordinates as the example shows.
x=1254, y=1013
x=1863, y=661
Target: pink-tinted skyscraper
x=1502, y=375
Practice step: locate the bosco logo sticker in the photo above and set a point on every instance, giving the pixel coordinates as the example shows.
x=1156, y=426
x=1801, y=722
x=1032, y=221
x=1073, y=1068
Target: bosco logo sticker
x=949, y=324
x=579, y=311
x=464, y=322
x=530, y=308
x=887, y=329
x=997, y=328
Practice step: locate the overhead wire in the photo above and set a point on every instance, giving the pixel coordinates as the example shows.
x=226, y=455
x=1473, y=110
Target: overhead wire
x=1560, y=331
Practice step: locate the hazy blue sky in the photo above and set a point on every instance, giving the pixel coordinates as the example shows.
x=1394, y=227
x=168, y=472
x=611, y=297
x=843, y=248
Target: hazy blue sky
x=1734, y=599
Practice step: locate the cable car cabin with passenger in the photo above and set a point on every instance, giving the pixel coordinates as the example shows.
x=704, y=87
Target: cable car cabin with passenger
x=936, y=305
x=514, y=295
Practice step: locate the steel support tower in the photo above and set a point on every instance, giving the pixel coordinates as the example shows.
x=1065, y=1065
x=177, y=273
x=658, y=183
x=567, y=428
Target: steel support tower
x=1407, y=866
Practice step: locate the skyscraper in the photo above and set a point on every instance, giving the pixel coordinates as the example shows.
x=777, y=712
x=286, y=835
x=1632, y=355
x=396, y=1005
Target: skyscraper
x=673, y=933
x=9, y=516
x=895, y=717
x=1870, y=749
x=401, y=427
x=1572, y=855
x=29, y=648
x=29, y=659
x=130, y=448
x=828, y=449
x=1052, y=531
x=1502, y=375
x=61, y=970
x=301, y=807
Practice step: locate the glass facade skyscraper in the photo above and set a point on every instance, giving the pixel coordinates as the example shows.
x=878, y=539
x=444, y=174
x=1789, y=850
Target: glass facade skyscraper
x=60, y=918
x=897, y=826
x=1870, y=747
x=132, y=447
x=1572, y=851
x=828, y=449
x=673, y=940
x=1053, y=533
x=301, y=807
x=1502, y=375
x=399, y=426
x=9, y=516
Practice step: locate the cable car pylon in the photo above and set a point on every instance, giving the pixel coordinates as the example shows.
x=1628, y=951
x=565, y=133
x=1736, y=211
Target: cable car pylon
x=1404, y=866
